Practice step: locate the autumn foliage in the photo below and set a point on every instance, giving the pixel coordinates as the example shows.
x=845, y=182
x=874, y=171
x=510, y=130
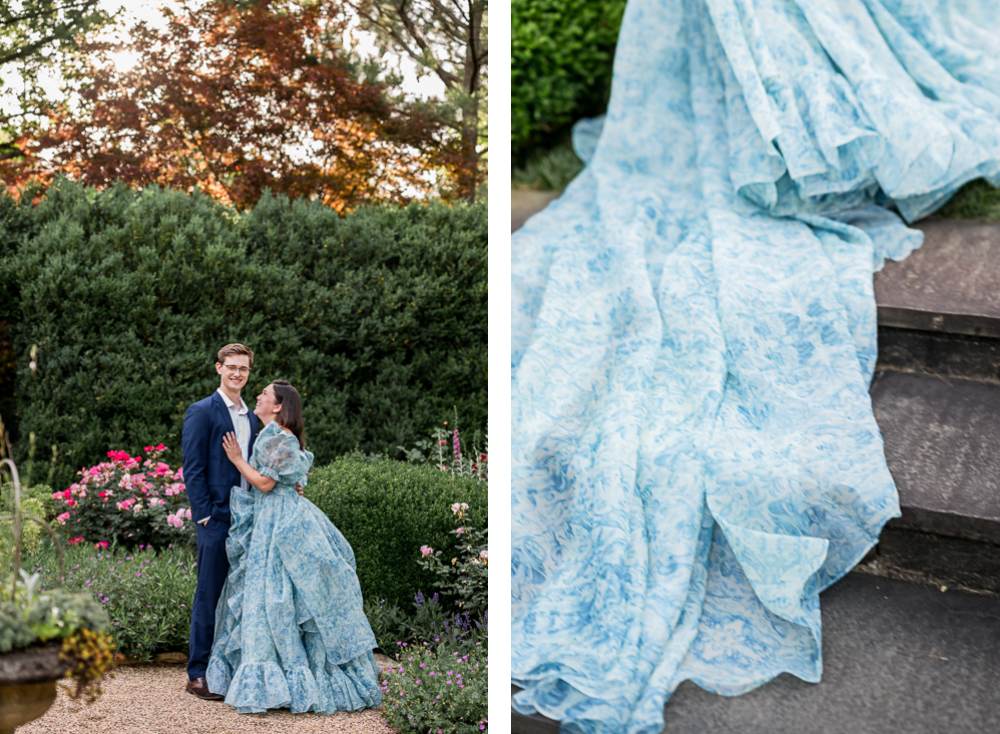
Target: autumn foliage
x=232, y=100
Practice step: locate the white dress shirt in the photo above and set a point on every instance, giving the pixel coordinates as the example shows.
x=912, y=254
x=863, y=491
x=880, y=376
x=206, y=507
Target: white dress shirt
x=240, y=415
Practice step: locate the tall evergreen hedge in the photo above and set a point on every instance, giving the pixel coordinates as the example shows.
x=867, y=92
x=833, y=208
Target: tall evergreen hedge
x=379, y=317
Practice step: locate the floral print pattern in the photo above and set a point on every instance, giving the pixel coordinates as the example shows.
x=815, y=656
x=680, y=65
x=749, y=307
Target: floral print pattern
x=290, y=631
x=694, y=456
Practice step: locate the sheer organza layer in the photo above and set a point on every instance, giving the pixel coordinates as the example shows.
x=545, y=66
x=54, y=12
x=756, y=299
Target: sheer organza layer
x=694, y=456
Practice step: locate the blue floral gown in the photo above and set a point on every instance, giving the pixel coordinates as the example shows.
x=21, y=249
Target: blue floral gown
x=290, y=631
x=693, y=455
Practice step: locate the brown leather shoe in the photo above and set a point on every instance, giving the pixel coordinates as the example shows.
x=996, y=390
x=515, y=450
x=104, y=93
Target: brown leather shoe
x=199, y=688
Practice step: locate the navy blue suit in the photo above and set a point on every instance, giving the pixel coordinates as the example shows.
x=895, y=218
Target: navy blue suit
x=209, y=477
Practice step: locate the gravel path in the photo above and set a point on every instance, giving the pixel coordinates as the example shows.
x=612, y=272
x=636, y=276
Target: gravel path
x=150, y=699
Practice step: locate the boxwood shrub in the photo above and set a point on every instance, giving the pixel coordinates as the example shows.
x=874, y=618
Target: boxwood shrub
x=561, y=63
x=387, y=509
x=379, y=317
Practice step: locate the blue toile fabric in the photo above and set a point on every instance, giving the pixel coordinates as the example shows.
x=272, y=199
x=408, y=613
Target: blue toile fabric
x=694, y=456
x=290, y=631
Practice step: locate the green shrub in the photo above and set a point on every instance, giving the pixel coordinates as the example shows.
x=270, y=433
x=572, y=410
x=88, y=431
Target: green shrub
x=548, y=170
x=31, y=531
x=387, y=510
x=146, y=594
x=561, y=63
x=378, y=318
x=434, y=690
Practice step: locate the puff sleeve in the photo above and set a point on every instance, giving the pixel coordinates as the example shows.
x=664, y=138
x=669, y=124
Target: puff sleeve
x=278, y=457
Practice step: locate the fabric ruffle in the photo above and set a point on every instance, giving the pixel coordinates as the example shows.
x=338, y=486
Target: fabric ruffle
x=257, y=687
x=694, y=455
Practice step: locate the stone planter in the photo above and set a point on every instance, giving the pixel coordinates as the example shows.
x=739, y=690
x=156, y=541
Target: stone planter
x=28, y=684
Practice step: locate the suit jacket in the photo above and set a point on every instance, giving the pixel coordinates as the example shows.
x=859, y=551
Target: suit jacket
x=209, y=475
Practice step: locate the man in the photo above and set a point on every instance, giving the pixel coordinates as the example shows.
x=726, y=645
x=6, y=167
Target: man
x=209, y=476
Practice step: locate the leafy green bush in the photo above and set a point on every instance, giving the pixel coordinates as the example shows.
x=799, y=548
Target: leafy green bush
x=31, y=531
x=378, y=318
x=146, y=594
x=428, y=624
x=465, y=577
x=387, y=510
x=548, y=170
x=561, y=62
x=435, y=690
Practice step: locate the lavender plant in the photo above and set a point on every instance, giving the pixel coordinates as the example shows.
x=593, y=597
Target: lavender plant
x=146, y=594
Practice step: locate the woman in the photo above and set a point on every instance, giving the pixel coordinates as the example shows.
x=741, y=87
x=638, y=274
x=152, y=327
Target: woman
x=290, y=631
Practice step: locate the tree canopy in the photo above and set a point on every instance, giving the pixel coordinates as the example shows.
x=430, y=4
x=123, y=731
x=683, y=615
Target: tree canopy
x=232, y=98
x=33, y=35
x=446, y=38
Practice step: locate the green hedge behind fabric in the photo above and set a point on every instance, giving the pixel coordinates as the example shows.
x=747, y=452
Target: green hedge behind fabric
x=561, y=62
x=388, y=509
x=378, y=318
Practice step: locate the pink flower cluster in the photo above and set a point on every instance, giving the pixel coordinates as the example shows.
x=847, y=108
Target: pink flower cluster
x=134, y=484
x=177, y=520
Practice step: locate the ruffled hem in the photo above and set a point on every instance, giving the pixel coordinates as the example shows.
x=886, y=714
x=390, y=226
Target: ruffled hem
x=256, y=687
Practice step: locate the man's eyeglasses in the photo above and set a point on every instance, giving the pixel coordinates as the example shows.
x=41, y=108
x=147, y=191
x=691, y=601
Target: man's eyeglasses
x=233, y=369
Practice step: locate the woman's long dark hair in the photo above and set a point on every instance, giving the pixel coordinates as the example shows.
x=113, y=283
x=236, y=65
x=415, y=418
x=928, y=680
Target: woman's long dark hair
x=290, y=416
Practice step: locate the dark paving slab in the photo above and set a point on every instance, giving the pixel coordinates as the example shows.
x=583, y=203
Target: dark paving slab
x=959, y=561
x=942, y=445
x=524, y=204
x=950, y=284
x=939, y=353
x=898, y=657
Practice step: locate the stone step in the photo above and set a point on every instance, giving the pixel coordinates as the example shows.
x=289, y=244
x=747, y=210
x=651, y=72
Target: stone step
x=939, y=309
x=938, y=353
x=942, y=445
x=950, y=285
x=897, y=657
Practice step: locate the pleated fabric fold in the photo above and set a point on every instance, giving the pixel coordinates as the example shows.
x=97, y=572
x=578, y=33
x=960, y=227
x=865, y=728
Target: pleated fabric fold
x=694, y=455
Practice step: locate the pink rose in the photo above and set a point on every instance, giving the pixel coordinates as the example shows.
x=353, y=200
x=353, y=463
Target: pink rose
x=426, y=550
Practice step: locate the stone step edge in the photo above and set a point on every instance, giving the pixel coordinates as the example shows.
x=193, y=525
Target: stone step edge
x=948, y=524
x=968, y=324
